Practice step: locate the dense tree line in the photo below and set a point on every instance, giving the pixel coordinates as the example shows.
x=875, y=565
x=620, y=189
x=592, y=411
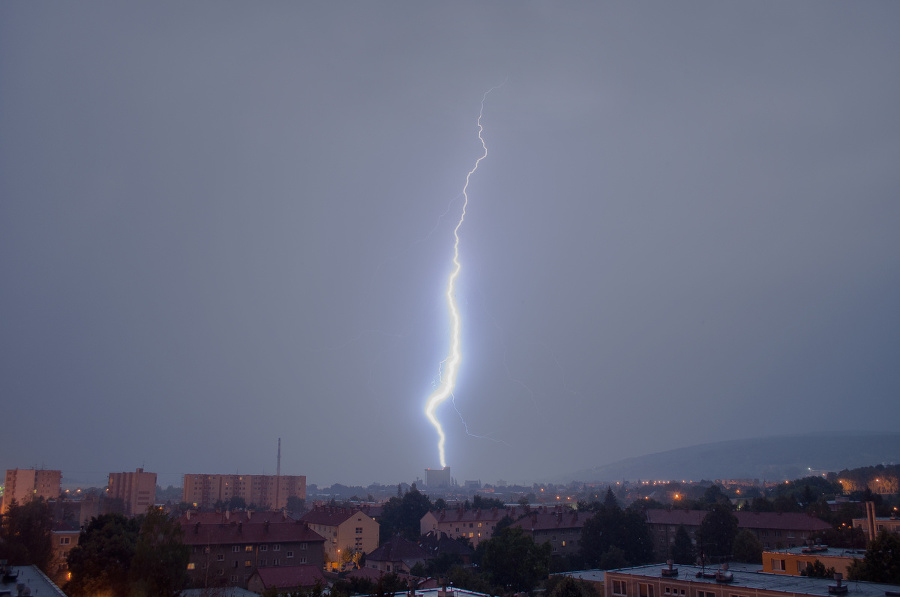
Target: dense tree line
x=129, y=557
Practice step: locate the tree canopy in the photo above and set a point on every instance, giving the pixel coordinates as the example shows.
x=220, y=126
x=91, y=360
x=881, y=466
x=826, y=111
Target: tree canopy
x=613, y=527
x=512, y=560
x=717, y=531
x=881, y=562
x=26, y=534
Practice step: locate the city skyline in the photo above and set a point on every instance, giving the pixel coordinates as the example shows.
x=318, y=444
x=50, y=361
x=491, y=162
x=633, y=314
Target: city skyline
x=223, y=225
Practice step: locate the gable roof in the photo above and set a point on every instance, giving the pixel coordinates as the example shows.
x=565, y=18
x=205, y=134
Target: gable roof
x=795, y=521
x=213, y=528
x=332, y=517
x=549, y=520
x=397, y=549
x=286, y=577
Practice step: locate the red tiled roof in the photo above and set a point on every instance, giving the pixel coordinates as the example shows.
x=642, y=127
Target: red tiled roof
x=397, y=549
x=286, y=577
x=461, y=515
x=328, y=516
x=211, y=528
x=551, y=520
x=796, y=521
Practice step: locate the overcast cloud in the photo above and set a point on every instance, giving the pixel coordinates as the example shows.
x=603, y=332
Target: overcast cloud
x=225, y=223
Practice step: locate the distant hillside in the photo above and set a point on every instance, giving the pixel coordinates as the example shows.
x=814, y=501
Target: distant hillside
x=769, y=458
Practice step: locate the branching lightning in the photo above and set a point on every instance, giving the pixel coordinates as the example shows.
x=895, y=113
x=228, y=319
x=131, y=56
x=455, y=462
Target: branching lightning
x=450, y=365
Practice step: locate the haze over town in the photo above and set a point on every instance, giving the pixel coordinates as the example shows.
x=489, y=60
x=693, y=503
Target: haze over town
x=225, y=224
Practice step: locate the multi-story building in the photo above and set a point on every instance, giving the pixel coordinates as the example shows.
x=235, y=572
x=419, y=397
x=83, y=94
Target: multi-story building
x=882, y=523
x=773, y=529
x=347, y=531
x=24, y=485
x=692, y=581
x=266, y=491
x=64, y=537
x=227, y=547
x=559, y=526
x=438, y=477
x=137, y=490
x=475, y=525
x=795, y=559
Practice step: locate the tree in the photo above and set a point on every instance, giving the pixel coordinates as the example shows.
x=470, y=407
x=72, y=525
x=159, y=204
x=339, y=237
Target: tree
x=881, y=562
x=296, y=505
x=747, y=547
x=611, y=526
x=717, y=531
x=402, y=515
x=566, y=586
x=26, y=534
x=159, y=567
x=818, y=570
x=485, y=503
x=682, y=551
x=100, y=562
x=512, y=559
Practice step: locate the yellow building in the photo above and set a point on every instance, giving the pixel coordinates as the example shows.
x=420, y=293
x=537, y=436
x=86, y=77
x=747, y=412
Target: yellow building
x=793, y=561
x=348, y=532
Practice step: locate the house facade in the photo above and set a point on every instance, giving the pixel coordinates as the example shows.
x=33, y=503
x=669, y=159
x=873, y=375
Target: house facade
x=347, y=531
x=474, y=525
x=560, y=527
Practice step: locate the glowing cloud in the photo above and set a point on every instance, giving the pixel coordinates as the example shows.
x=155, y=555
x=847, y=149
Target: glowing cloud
x=450, y=365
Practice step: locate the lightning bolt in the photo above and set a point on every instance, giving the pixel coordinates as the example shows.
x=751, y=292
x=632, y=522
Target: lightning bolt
x=450, y=365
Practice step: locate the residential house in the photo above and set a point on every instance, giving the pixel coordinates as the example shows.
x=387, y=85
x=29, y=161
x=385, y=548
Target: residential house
x=286, y=579
x=227, y=547
x=560, y=527
x=475, y=525
x=265, y=491
x=773, y=529
x=396, y=555
x=347, y=532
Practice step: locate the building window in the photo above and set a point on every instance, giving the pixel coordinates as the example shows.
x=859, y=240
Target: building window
x=263, y=548
x=220, y=557
x=303, y=546
x=620, y=588
x=290, y=554
x=777, y=564
x=705, y=594
x=233, y=578
x=248, y=548
x=667, y=590
x=262, y=563
x=276, y=547
x=191, y=565
x=64, y=540
x=275, y=562
x=235, y=548
x=302, y=559
x=247, y=563
x=645, y=590
x=358, y=530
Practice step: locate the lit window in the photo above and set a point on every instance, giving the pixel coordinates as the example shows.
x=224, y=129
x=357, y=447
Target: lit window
x=247, y=563
x=248, y=548
x=191, y=566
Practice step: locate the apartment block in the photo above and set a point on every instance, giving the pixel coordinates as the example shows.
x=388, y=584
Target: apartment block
x=24, y=485
x=266, y=491
x=137, y=490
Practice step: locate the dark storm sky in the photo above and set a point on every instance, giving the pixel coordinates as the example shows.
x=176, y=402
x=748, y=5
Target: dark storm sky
x=224, y=223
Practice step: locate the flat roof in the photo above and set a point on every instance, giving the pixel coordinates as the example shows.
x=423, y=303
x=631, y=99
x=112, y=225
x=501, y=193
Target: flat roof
x=832, y=552
x=782, y=583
